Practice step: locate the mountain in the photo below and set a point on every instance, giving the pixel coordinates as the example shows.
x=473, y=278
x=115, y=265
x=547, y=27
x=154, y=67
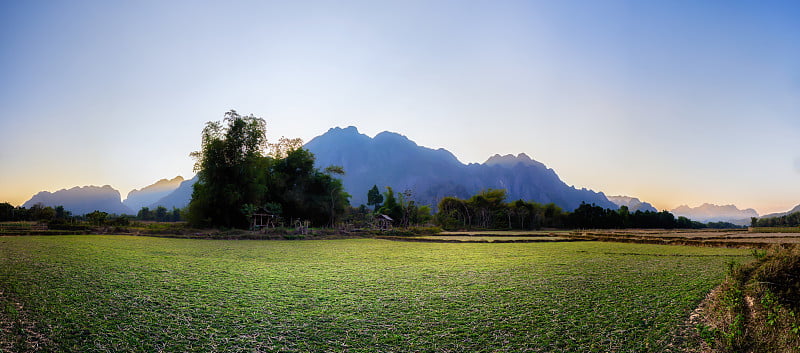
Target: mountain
x=179, y=197
x=632, y=203
x=391, y=159
x=150, y=194
x=82, y=200
x=714, y=213
x=779, y=214
x=510, y=161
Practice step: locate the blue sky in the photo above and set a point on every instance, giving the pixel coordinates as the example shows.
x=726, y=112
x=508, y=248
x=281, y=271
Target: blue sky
x=674, y=102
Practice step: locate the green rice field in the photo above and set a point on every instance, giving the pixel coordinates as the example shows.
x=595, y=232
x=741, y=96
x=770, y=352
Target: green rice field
x=489, y=238
x=95, y=293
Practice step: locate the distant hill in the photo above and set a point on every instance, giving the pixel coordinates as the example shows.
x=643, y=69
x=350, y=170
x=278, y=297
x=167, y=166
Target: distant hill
x=632, y=203
x=179, y=197
x=779, y=214
x=391, y=159
x=82, y=200
x=715, y=213
x=150, y=194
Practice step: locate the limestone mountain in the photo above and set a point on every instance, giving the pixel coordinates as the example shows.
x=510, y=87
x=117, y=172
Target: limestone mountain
x=391, y=159
x=82, y=200
x=714, y=213
x=633, y=204
x=148, y=195
x=779, y=214
x=178, y=198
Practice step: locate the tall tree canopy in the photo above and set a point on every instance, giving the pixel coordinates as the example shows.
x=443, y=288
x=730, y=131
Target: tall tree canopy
x=229, y=166
x=374, y=197
x=236, y=174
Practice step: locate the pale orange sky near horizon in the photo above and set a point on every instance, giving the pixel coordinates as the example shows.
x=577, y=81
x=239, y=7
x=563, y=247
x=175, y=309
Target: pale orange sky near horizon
x=670, y=102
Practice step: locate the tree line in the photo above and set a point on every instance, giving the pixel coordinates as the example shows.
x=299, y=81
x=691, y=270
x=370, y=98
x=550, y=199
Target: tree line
x=37, y=212
x=789, y=220
x=489, y=210
x=58, y=214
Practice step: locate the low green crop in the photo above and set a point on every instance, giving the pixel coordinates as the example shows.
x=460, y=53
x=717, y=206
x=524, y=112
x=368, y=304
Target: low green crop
x=140, y=294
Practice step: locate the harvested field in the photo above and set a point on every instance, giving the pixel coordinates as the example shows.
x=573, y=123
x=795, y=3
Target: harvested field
x=716, y=238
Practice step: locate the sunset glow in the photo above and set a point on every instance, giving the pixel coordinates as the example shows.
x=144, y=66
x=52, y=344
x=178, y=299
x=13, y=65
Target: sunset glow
x=672, y=102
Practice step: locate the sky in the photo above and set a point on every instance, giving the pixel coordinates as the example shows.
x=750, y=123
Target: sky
x=674, y=102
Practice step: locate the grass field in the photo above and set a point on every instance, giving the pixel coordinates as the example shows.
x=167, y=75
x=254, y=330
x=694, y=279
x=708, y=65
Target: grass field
x=118, y=293
x=489, y=238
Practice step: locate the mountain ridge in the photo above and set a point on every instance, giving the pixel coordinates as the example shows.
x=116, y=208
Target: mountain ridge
x=146, y=196
x=708, y=212
x=392, y=159
x=82, y=200
x=779, y=214
x=633, y=203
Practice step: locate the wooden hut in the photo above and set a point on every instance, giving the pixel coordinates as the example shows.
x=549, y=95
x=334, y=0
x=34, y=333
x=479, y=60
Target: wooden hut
x=262, y=218
x=383, y=222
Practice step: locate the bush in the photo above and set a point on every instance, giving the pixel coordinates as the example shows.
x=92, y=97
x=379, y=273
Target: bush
x=757, y=308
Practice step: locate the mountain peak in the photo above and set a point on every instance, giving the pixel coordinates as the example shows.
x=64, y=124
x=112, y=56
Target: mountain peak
x=145, y=196
x=633, y=203
x=392, y=159
x=393, y=137
x=709, y=212
x=82, y=199
x=778, y=214
x=510, y=160
x=350, y=130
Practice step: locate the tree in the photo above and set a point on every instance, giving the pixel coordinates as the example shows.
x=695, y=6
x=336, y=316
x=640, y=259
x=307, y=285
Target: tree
x=489, y=206
x=234, y=171
x=390, y=207
x=228, y=166
x=144, y=214
x=284, y=146
x=334, y=191
x=176, y=214
x=374, y=197
x=61, y=213
x=6, y=212
x=453, y=213
x=40, y=212
x=161, y=214
x=97, y=217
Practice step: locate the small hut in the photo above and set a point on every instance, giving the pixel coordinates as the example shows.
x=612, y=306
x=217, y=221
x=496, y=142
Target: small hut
x=383, y=222
x=262, y=218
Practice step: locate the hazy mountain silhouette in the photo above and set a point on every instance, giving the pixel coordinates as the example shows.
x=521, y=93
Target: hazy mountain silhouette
x=148, y=195
x=715, y=213
x=82, y=200
x=779, y=214
x=633, y=203
x=179, y=197
x=391, y=159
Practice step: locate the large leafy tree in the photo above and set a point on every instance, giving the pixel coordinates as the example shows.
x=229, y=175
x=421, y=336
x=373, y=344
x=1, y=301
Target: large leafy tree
x=231, y=170
x=236, y=176
x=304, y=192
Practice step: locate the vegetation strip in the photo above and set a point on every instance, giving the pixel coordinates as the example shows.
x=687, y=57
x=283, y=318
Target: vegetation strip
x=143, y=294
x=478, y=240
x=757, y=308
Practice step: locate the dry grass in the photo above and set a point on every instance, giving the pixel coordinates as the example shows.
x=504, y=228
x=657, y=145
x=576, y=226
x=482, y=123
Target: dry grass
x=714, y=238
x=757, y=308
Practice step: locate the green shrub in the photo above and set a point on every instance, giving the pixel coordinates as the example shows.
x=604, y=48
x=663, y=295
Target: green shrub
x=756, y=308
